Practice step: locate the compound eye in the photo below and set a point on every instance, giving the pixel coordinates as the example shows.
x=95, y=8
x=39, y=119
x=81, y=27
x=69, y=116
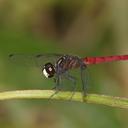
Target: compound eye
x=48, y=70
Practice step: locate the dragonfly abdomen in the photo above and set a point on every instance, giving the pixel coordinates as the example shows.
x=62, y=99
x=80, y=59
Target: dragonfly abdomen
x=98, y=60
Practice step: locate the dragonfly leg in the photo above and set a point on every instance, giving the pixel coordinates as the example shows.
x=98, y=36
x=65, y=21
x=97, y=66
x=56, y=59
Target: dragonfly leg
x=73, y=79
x=57, y=86
x=83, y=80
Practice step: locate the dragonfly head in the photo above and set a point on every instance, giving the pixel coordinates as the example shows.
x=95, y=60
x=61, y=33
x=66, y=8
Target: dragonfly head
x=48, y=70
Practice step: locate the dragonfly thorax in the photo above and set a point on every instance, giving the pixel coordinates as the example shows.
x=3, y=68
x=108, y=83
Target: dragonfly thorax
x=66, y=63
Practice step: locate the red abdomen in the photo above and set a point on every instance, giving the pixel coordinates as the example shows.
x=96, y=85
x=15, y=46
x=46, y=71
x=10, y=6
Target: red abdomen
x=97, y=60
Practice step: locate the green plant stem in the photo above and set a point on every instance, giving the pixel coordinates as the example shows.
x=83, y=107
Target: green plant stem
x=63, y=95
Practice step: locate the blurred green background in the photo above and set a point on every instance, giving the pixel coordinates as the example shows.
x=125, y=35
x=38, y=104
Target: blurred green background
x=83, y=28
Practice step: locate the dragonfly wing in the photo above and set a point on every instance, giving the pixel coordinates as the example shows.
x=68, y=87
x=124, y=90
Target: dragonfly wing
x=22, y=59
x=34, y=60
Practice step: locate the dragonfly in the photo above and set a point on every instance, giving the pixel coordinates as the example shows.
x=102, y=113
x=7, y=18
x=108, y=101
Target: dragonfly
x=58, y=66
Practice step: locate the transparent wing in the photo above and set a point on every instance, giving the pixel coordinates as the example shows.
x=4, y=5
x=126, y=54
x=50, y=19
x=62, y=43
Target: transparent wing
x=34, y=59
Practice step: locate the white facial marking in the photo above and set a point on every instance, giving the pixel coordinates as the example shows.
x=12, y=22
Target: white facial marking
x=45, y=73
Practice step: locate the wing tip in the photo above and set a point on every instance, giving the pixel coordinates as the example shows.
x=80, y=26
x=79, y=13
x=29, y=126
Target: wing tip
x=39, y=55
x=11, y=55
